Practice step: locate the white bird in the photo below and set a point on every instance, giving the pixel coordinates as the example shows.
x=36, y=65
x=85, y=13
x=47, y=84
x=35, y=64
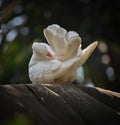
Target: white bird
x=45, y=68
x=64, y=44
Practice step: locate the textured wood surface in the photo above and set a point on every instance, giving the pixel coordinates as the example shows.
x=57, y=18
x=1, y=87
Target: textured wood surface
x=59, y=104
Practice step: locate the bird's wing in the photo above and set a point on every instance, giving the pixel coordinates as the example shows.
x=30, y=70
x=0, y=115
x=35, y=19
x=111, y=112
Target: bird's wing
x=55, y=69
x=58, y=68
x=55, y=36
x=49, y=35
x=85, y=53
x=71, y=34
x=74, y=42
x=70, y=65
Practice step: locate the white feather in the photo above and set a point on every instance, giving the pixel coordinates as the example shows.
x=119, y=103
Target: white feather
x=43, y=70
x=70, y=75
x=64, y=44
x=67, y=56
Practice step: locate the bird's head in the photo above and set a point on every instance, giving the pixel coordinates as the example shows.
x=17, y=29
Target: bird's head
x=42, y=50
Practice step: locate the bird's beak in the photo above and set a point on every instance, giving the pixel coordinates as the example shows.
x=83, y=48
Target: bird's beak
x=50, y=55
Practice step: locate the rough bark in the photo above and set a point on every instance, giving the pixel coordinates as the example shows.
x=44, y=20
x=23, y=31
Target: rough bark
x=59, y=104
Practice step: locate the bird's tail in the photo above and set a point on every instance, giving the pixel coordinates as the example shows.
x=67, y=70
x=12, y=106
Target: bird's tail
x=86, y=54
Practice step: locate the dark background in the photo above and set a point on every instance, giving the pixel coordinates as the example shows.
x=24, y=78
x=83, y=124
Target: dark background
x=22, y=22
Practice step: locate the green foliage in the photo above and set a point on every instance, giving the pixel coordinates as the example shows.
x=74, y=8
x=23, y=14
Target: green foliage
x=18, y=120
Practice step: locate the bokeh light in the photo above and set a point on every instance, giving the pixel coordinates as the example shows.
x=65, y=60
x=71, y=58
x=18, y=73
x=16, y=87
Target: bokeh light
x=24, y=31
x=80, y=75
x=11, y=35
x=105, y=59
x=103, y=47
x=110, y=73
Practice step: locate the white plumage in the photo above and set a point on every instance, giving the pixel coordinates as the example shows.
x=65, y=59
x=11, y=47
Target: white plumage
x=64, y=44
x=70, y=74
x=44, y=67
x=58, y=62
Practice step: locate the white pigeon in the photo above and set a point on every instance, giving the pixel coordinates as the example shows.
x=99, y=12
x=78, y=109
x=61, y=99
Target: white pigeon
x=45, y=68
x=64, y=44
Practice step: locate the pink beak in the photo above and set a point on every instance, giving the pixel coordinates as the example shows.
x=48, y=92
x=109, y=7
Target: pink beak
x=50, y=55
